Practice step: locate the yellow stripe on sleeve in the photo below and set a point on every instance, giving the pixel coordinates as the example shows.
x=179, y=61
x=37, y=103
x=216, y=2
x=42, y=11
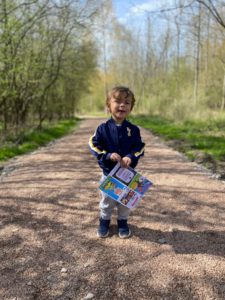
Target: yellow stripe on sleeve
x=140, y=152
x=92, y=146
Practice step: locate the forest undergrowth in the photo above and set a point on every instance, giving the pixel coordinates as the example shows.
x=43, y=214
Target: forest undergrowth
x=202, y=141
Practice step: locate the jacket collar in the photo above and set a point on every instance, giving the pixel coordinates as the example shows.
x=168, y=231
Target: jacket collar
x=112, y=121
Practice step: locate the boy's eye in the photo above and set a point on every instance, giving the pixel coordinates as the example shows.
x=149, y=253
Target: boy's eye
x=127, y=102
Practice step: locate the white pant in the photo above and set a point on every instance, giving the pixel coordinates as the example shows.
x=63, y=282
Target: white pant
x=107, y=206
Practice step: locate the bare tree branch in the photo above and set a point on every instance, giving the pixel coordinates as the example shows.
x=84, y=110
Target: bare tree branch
x=213, y=10
x=169, y=8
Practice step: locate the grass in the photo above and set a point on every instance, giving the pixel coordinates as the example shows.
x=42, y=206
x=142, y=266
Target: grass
x=36, y=138
x=190, y=137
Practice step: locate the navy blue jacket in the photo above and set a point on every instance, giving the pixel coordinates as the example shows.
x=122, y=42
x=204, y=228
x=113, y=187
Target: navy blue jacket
x=124, y=140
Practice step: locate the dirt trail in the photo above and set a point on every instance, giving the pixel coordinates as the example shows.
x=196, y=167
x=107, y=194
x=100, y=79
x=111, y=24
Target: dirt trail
x=49, y=214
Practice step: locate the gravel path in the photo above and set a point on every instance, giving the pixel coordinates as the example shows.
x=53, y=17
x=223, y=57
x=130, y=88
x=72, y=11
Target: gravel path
x=49, y=215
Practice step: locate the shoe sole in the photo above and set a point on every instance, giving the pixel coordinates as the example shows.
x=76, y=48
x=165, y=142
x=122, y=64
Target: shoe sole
x=102, y=236
x=125, y=236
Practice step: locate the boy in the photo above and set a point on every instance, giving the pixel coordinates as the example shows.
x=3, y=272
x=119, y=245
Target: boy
x=117, y=140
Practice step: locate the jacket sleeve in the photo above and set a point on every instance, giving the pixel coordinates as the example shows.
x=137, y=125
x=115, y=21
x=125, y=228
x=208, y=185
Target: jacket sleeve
x=138, y=147
x=96, y=145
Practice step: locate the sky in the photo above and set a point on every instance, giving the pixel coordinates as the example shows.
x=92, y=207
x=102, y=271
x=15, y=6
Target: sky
x=134, y=10
x=133, y=14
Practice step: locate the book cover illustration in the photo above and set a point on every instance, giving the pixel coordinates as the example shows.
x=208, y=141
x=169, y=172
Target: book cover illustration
x=112, y=187
x=125, y=185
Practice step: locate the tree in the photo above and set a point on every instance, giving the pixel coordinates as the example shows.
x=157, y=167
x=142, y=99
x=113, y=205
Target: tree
x=211, y=6
x=35, y=40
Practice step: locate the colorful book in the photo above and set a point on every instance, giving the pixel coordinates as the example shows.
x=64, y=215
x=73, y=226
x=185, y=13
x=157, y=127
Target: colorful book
x=125, y=186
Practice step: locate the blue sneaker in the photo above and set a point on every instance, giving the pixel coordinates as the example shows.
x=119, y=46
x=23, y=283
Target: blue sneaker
x=103, y=229
x=124, y=231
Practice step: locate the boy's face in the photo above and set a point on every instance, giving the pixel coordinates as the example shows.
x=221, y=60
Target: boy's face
x=120, y=107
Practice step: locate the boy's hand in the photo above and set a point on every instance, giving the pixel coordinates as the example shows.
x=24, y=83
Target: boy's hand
x=125, y=162
x=115, y=157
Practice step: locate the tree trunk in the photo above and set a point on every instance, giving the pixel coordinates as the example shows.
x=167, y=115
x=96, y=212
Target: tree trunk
x=223, y=96
x=207, y=51
x=197, y=64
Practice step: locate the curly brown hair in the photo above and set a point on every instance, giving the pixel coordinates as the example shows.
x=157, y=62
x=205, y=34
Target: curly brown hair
x=117, y=91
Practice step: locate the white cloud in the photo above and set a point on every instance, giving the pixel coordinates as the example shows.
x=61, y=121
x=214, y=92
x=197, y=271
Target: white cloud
x=133, y=11
x=123, y=20
x=140, y=9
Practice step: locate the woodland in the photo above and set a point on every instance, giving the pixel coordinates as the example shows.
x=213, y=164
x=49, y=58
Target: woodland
x=59, y=58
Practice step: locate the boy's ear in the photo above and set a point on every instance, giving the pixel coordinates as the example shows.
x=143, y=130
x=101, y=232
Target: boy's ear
x=108, y=109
